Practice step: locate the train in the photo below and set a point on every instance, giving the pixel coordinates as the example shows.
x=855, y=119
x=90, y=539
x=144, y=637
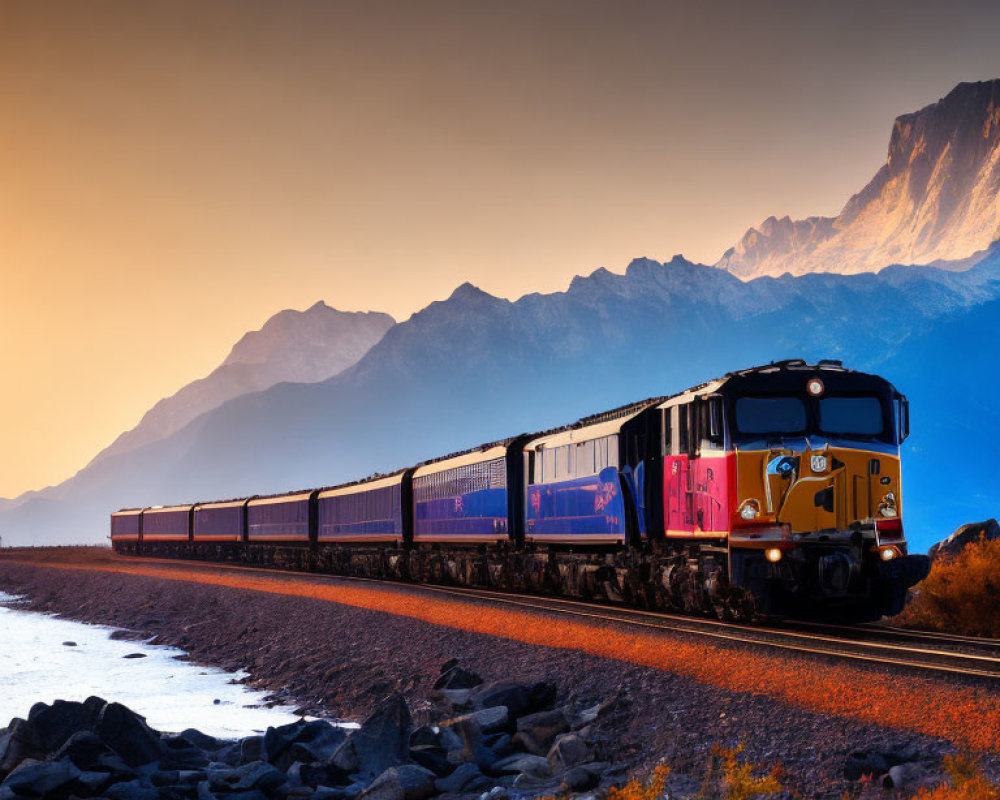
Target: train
x=774, y=491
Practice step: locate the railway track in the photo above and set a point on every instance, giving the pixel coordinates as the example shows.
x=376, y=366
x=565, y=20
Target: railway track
x=874, y=643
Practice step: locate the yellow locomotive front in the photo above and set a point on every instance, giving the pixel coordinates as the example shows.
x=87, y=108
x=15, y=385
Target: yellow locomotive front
x=817, y=513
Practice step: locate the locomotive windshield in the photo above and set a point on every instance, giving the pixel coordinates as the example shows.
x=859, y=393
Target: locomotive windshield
x=773, y=416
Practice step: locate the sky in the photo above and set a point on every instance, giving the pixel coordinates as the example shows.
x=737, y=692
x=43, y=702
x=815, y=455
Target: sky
x=173, y=173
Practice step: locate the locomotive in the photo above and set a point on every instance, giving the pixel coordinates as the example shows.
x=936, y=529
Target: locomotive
x=772, y=491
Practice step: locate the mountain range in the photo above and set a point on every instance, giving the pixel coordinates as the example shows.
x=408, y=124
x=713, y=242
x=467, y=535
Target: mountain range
x=936, y=198
x=319, y=397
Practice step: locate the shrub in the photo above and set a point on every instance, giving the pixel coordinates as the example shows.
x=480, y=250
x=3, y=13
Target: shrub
x=648, y=788
x=965, y=782
x=961, y=594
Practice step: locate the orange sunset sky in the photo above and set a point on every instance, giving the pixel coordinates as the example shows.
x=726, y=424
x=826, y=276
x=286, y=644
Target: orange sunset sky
x=173, y=173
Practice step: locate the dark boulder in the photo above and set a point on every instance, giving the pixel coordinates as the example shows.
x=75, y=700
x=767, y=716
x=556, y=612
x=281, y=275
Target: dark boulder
x=405, y=782
x=128, y=735
x=41, y=778
x=85, y=749
x=19, y=741
x=459, y=779
x=432, y=757
x=580, y=779
x=863, y=763
x=965, y=535
x=519, y=698
x=57, y=722
x=132, y=790
x=252, y=749
x=303, y=741
x=202, y=741
x=536, y=732
x=568, y=750
x=381, y=742
x=458, y=678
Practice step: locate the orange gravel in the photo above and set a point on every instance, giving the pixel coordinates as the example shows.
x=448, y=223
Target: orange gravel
x=968, y=716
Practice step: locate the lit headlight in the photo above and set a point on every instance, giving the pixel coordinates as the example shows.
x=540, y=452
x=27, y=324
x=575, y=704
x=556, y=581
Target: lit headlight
x=887, y=553
x=749, y=510
x=772, y=554
x=815, y=387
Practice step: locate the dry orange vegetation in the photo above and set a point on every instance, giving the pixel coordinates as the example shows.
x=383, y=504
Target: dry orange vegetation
x=965, y=782
x=961, y=594
x=917, y=703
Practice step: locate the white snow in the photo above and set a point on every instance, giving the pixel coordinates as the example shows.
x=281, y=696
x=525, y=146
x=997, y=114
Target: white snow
x=35, y=666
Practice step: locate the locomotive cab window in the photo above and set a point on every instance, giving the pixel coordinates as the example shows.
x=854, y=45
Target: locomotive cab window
x=776, y=414
x=851, y=416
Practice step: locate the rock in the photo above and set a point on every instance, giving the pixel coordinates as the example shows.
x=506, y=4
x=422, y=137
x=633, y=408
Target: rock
x=20, y=741
x=140, y=655
x=252, y=749
x=449, y=664
x=537, y=732
x=500, y=744
x=131, y=790
x=302, y=741
x=69, y=644
x=381, y=742
x=433, y=758
x=588, y=716
x=257, y=775
x=519, y=698
x=459, y=779
x=93, y=782
x=463, y=739
x=128, y=735
x=901, y=775
x=425, y=736
x=966, y=534
x=458, y=678
x=487, y=720
x=57, y=722
x=568, y=750
x=406, y=782
x=200, y=740
x=86, y=751
x=496, y=793
x=523, y=763
x=861, y=763
x=579, y=779
x=41, y=778
x=537, y=786
x=457, y=698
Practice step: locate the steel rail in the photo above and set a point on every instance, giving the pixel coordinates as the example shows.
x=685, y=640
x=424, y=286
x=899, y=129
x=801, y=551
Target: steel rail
x=885, y=653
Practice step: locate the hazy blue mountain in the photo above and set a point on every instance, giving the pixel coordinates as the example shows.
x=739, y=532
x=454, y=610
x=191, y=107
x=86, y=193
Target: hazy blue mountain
x=474, y=367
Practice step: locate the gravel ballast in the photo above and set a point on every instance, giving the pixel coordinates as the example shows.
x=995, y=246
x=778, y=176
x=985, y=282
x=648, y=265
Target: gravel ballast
x=339, y=661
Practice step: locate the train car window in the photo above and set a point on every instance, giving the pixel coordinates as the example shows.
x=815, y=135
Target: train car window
x=666, y=428
x=613, y=450
x=585, y=458
x=683, y=429
x=549, y=457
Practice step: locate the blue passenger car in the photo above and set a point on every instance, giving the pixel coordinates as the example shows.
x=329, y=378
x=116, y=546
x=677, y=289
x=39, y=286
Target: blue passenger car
x=575, y=490
x=462, y=499
x=285, y=518
x=368, y=511
x=220, y=522
x=166, y=524
x=126, y=525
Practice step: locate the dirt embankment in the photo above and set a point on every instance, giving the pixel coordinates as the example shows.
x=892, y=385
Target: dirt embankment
x=340, y=660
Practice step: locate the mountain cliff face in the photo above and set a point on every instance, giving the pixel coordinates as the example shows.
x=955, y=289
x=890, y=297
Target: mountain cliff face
x=937, y=198
x=474, y=367
x=294, y=346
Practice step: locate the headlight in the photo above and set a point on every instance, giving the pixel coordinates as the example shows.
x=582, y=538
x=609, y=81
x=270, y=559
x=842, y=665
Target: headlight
x=818, y=463
x=887, y=553
x=815, y=387
x=772, y=554
x=749, y=510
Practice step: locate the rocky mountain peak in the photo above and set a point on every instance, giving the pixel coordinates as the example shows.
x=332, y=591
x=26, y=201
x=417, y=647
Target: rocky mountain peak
x=937, y=197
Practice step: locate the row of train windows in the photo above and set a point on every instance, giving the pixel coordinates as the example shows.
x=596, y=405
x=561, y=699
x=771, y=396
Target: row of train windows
x=361, y=506
x=575, y=460
x=461, y=480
